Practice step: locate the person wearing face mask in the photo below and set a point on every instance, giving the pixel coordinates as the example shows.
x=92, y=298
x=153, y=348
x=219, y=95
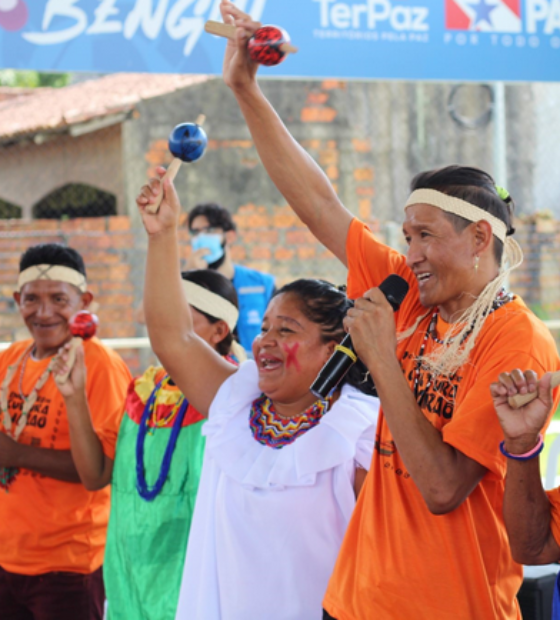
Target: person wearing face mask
x=213, y=231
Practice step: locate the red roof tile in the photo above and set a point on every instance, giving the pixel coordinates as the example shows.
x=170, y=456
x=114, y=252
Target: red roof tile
x=50, y=109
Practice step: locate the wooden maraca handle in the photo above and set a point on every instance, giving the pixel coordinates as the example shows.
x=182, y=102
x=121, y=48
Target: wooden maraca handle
x=228, y=31
x=74, y=344
x=288, y=48
x=171, y=173
x=220, y=29
x=522, y=399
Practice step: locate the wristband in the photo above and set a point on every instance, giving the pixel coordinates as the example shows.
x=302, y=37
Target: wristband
x=528, y=455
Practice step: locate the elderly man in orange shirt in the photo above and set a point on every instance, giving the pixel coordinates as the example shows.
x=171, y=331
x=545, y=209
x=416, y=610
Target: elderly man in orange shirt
x=427, y=537
x=53, y=527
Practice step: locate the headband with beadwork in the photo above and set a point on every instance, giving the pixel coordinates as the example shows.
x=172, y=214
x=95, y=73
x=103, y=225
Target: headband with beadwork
x=57, y=273
x=459, y=207
x=211, y=303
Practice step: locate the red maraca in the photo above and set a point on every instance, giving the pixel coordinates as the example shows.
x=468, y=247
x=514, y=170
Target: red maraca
x=268, y=45
x=83, y=326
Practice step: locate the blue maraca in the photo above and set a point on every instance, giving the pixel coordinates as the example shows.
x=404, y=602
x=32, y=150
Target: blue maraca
x=186, y=142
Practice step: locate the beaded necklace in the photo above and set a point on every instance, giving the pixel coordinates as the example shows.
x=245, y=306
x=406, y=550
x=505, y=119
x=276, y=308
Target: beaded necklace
x=178, y=412
x=502, y=298
x=8, y=474
x=274, y=431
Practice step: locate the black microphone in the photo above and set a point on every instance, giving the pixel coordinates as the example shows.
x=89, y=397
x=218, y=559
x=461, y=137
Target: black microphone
x=395, y=289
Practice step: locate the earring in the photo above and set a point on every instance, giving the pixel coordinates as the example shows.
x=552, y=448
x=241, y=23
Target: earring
x=476, y=261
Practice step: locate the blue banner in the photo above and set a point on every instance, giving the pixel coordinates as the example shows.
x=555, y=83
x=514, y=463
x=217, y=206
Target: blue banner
x=460, y=40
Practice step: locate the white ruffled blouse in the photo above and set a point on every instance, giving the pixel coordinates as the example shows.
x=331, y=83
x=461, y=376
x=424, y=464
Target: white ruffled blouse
x=268, y=523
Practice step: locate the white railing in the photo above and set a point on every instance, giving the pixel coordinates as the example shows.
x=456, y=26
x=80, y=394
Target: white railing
x=144, y=343
x=113, y=343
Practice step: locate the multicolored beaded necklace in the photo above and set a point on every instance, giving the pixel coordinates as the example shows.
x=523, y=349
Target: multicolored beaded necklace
x=502, y=298
x=178, y=412
x=274, y=431
x=8, y=474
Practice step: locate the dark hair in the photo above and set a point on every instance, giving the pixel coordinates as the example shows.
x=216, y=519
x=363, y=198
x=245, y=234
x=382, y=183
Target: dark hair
x=52, y=254
x=472, y=185
x=216, y=283
x=217, y=216
x=326, y=305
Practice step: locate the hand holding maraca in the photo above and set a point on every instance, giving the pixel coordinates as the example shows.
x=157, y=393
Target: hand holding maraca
x=83, y=326
x=249, y=44
x=75, y=382
x=187, y=143
x=159, y=190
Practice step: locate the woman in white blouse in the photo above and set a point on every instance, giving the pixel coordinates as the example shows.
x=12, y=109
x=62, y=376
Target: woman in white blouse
x=282, y=470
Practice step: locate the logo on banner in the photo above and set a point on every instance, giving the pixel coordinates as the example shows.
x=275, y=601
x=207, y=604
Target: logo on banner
x=483, y=15
x=373, y=20
x=66, y=20
x=13, y=14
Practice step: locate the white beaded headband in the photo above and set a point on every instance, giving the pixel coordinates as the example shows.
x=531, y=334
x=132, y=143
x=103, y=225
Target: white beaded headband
x=211, y=303
x=57, y=273
x=459, y=207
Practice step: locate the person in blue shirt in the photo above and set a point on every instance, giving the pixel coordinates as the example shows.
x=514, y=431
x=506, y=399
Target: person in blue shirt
x=212, y=232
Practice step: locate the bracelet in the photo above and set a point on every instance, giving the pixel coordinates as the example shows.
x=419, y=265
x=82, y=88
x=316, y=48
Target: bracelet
x=528, y=455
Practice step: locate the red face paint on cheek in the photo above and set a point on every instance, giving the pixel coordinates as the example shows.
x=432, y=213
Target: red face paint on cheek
x=291, y=353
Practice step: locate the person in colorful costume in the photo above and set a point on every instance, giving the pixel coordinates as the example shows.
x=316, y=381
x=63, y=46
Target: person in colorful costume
x=152, y=502
x=427, y=538
x=54, y=528
x=213, y=231
x=531, y=514
x=281, y=469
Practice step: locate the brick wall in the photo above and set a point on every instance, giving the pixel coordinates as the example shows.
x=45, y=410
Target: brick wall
x=110, y=250
x=114, y=252
x=369, y=138
x=538, y=279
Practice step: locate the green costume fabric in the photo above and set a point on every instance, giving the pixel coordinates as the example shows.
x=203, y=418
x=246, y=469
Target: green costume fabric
x=147, y=540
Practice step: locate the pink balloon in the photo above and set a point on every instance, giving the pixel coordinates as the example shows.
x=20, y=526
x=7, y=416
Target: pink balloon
x=15, y=18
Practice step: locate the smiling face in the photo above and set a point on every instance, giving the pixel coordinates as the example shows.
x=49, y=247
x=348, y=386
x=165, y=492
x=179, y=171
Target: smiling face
x=442, y=260
x=46, y=306
x=289, y=353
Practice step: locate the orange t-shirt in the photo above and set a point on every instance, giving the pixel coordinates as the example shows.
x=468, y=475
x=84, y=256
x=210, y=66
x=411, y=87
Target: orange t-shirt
x=554, y=499
x=50, y=525
x=398, y=560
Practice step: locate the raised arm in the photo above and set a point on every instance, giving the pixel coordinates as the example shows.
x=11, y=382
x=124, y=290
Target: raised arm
x=526, y=506
x=294, y=172
x=195, y=367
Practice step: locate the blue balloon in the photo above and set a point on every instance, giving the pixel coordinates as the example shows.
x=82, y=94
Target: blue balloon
x=187, y=142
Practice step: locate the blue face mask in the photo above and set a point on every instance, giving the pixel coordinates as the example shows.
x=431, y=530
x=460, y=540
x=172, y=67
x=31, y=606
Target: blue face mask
x=213, y=243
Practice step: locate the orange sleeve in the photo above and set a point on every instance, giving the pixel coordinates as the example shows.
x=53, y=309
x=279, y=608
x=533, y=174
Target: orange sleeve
x=107, y=381
x=370, y=262
x=554, y=499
